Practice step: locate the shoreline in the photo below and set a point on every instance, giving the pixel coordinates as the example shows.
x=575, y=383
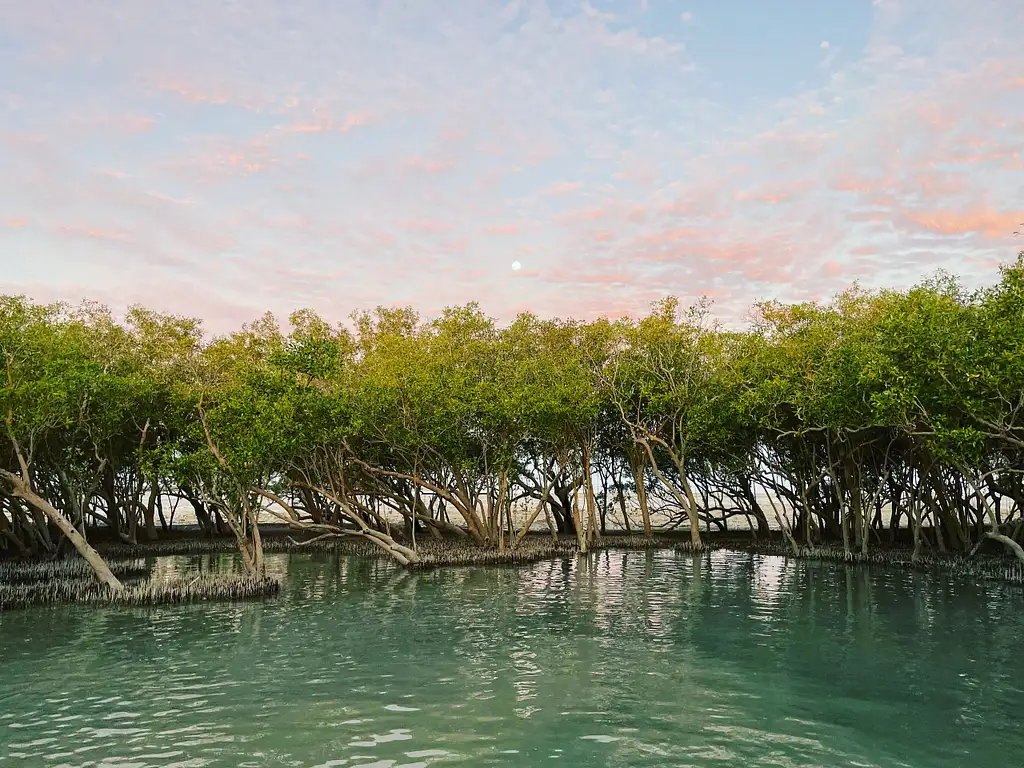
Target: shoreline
x=67, y=579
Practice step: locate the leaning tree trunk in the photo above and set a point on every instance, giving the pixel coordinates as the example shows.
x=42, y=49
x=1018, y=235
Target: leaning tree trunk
x=541, y=506
x=402, y=554
x=995, y=533
x=21, y=489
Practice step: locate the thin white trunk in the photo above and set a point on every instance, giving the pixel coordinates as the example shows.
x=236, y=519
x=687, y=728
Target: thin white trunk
x=22, y=491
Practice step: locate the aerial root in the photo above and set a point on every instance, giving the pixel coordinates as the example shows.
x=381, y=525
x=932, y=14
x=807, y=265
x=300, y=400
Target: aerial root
x=31, y=571
x=987, y=568
x=187, y=589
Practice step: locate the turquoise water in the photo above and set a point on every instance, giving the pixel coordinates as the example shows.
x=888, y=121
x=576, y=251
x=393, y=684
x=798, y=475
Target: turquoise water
x=619, y=659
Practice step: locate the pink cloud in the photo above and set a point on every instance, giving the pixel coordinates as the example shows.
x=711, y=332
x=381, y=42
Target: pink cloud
x=863, y=184
x=991, y=224
x=935, y=184
x=321, y=127
x=584, y=215
x=354, y=120
x=457, y=245
x=504, y=229
x=290, y=221
x=1016, y=164
x=592, y=276
x=870, y=216
x=219, y=159
x=562, y=188
x=169, y=198
x=636, y=214
x=774, y=193
x=766, y=198
x=939, y=116
x=93, y=233
x=426, y=226
x=428, y=166
x=967, y=154
x=118, y=123
x=136, y=123
x=320, y=123
x=721, y=204
x=673, y=236
x=453, y=134
x=192, y=93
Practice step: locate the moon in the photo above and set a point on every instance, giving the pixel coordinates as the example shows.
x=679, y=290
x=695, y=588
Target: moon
x=516, y=266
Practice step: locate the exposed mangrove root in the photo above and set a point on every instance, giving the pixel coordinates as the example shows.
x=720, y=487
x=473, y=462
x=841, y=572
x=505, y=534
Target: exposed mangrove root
x=458, y=553
x=207, y=546
x=29, y=571
x=452, y=553
x=434, y=553
x=981, y=567
x=183, y=590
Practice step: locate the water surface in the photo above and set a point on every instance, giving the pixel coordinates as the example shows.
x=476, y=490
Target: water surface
x=619, y=659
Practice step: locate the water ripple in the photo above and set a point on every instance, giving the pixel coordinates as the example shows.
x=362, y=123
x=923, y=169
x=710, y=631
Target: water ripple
x=616, y=658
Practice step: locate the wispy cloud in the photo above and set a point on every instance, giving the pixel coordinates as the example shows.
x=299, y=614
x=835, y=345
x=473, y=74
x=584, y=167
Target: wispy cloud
x=93, y=233
x=340, y=155
x=990, y=224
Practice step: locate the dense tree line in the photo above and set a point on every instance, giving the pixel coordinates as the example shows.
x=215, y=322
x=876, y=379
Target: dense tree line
x=846, y=422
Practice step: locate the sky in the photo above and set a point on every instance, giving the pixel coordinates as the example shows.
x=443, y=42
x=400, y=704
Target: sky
x=222, y=158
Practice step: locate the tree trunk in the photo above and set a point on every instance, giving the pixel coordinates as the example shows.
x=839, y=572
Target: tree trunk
x=311, y=504
x=202, y=514
x=150, y=513
x=691, y=511
x=26, y=530
x=541, y=505
x=42, y=529
x=581, y=536
x=564, y=513
x=860, y=537
x=499, y=521
x=22, y=491
x=995, y=534
x=6, y=530
x=588, y=480
x=551, y=524
x=621, y=493
x=404, y=555
x=763, y=528
x=641, y=494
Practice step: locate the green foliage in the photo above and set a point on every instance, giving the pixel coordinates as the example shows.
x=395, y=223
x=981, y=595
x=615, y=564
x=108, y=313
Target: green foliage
x=934, y=373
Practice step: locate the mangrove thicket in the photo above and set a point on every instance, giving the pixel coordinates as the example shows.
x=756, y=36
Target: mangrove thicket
x=853, y=423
